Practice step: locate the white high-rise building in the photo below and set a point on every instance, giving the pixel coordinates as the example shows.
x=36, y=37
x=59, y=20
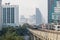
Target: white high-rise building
x=10, y=15
x=0, y=15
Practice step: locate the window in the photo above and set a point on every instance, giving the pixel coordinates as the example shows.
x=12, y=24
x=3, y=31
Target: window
x=12, y=15
x=8, y=15
x=4, y=15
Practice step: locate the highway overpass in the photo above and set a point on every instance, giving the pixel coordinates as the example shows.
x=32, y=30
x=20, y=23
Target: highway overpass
x=44, y=34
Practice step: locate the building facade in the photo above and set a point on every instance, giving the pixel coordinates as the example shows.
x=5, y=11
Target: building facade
x=51, y=5
x=10, y=15
x=56, y=14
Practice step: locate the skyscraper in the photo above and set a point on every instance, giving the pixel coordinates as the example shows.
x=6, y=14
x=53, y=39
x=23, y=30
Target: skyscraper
x=56, y=14
x=51, y=5
x=10, y=15
x=38, y=17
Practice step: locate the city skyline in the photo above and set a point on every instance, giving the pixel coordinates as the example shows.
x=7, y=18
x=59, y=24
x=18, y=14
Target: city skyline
x=30, y=6
x=29, y=19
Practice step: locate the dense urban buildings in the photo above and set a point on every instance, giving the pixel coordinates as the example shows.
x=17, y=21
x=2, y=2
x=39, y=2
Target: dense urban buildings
x=31, y=20
x=10, y=15
x=51, y=5
x=35, y=19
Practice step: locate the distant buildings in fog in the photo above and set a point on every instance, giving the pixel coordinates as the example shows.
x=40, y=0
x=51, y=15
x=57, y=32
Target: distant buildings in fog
x=0, y=14
x=51, y=5
x=31, y=20
x=34, y=19
x=23, y=20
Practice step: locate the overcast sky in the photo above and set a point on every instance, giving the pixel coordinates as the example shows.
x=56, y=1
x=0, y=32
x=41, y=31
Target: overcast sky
x=27, y=7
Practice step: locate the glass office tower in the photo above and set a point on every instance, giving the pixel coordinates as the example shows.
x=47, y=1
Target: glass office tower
x=56, y=14
x=51, y=5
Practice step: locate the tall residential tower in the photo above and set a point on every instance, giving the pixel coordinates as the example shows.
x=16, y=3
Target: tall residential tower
x=38, y=17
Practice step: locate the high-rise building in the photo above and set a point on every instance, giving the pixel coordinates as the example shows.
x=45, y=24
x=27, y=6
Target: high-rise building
x=0, y=14
x=10, y=15
x=56, y=14
x=51, y=5
x=38, y=17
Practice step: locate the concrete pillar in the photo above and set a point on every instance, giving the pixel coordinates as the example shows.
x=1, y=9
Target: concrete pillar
x=35, y=38
x=31, y=36
x=38, y=38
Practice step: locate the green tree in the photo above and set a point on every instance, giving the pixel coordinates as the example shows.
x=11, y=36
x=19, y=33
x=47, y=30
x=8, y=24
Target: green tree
x=10, y=34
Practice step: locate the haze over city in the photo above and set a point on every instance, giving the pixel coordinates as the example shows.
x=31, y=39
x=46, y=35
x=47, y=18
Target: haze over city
x=28, y=7
x=29, y=19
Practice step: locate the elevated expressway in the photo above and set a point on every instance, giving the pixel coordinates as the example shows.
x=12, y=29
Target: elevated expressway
x=44, y=34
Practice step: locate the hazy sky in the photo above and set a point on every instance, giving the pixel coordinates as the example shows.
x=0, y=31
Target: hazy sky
x=27, y=7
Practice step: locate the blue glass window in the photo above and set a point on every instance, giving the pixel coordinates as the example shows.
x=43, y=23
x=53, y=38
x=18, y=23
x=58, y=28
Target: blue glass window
x=4, y=15
x=8, y=15
x=12, y=15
